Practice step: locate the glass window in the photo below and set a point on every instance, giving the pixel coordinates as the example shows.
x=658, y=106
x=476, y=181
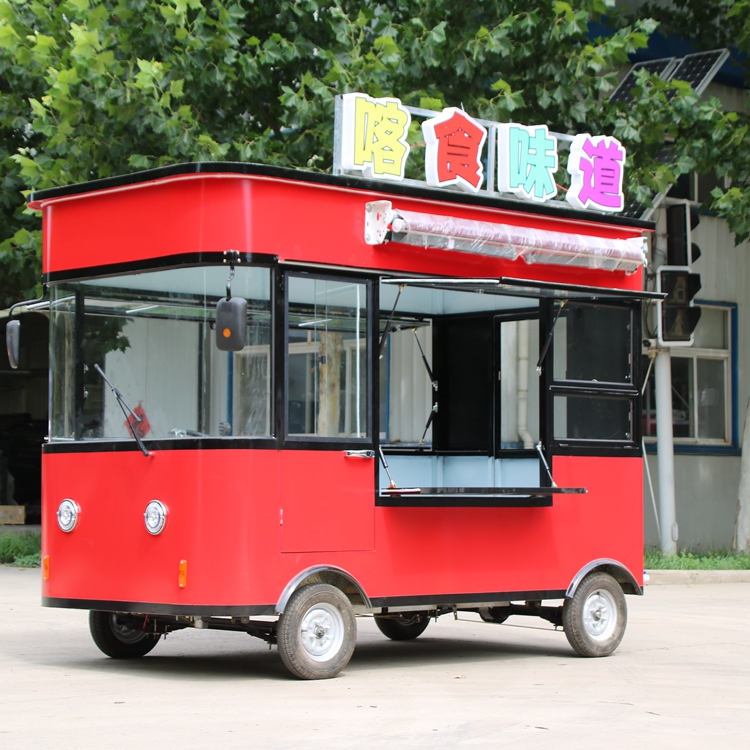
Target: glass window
x=701, y=384
x=593, y=343
x=588, y=417
x=593, y=394
x=152, y=336
x=327, y=348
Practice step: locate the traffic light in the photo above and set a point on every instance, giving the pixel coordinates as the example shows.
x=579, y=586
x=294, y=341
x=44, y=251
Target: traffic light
x=677, y=315
x=681, y=220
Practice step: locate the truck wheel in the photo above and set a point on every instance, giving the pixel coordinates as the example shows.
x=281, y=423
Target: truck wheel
x=317, y=632
x=594, y=619
x=118, y=640
x=404, y=628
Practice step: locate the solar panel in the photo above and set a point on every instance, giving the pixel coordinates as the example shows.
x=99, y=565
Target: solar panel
x=662, y=68
x=699, y=69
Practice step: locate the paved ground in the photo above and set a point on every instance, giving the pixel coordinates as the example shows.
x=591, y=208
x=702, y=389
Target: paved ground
x=681, y=679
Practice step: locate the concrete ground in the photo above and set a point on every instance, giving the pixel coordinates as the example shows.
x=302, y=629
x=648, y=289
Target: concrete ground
x=680, y=679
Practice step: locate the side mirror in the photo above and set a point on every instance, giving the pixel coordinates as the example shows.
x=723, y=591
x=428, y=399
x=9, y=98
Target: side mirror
x=13, y=341
x=231, y=321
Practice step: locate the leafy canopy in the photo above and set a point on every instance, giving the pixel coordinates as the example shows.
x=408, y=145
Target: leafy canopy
x=93, y=88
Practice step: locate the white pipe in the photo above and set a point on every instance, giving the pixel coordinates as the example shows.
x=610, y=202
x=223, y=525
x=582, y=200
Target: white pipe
x=665, y=452
x=523, y=384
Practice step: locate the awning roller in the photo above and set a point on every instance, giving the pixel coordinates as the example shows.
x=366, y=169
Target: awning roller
x=385, y=223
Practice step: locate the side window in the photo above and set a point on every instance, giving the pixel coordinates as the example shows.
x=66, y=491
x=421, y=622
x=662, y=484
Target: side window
x=593, y=392
x=327, y=355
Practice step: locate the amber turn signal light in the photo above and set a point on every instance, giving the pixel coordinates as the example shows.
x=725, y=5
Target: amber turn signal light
x=182, y=574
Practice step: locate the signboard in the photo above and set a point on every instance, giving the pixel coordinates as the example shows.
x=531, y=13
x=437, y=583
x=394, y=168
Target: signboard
x=371, y=137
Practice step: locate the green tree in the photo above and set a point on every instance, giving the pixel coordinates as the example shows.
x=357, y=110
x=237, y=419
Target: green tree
x=92, y=88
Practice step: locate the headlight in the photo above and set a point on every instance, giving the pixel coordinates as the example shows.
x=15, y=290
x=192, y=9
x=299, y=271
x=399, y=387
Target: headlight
x=67, y=515
x=155, y=517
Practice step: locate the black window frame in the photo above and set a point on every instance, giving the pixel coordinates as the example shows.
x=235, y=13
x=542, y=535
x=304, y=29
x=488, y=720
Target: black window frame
x=314, y=442
x=552, y=387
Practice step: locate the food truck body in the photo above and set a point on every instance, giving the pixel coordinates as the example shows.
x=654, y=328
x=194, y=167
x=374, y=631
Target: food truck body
x=416, y=415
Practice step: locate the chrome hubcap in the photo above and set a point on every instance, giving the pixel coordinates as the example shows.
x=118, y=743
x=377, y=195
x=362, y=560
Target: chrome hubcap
x=322, y=632
x=600, y=615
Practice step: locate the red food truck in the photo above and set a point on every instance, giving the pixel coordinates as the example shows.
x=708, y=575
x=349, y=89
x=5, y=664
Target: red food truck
x=280, y=400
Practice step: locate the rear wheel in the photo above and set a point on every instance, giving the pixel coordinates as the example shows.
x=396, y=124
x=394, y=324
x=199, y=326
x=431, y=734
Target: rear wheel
x=117, y=639
x=595, y=617
x=317, y=632
x=403, y=628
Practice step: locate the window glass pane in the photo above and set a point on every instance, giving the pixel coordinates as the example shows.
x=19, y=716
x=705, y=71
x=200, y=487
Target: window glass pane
x=404, y=382
x=592, y=418
x=709, y=396
x=592, y=343
x=62, y=364
x=711, y=331
x=152, y=335
x=682, y=397
x=519, y=348
x=327, y=379
x=711, y=409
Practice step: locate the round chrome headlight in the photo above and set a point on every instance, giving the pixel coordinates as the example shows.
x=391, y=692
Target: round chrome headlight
x=67, y=515
x=155, y=517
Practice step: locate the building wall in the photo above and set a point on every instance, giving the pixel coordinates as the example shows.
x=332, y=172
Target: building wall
x=706, y=485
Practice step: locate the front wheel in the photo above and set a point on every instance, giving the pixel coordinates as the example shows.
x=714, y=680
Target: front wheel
x=117, y=639
x=594, y=619
x=317, y=632
x=403, y=628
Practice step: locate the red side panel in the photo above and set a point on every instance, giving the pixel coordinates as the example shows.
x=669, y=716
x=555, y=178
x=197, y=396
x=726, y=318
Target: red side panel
x=327, y=502
x=225, y=512
x=222, y=516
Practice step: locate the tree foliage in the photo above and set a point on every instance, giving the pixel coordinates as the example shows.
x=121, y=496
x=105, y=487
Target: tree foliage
x=92, y=88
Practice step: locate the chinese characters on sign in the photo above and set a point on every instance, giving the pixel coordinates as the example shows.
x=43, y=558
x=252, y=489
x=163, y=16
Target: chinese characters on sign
x=595, y=165
x=374, y=135
x=526, y=161
x=454, y=143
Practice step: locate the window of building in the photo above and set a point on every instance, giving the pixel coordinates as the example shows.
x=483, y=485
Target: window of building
x=701, y=383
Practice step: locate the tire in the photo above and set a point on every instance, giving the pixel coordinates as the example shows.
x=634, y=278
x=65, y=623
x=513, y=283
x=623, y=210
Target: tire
x=594, y=619
x=317, y=632
x=405, y=628
x=118, y=640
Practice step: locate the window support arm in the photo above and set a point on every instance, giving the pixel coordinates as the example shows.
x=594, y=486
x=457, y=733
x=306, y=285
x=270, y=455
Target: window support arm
x=549, y=339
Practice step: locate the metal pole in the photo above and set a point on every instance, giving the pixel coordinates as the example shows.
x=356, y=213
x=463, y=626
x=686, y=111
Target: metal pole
x=668, y=531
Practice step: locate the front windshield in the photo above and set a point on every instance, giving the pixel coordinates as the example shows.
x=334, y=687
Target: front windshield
x=152, y=334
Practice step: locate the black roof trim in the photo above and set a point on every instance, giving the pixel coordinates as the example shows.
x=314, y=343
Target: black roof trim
x=344, y=181
x=524, y=288
x=161, y=263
